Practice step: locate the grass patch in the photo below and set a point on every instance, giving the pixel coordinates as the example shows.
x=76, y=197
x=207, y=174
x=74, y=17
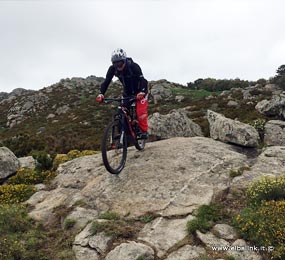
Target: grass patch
x=69, y=223
x=148, y=217
x=22, y=238
x=109, y=216
x=206, y=216
x=239, y=171
x=117, y=229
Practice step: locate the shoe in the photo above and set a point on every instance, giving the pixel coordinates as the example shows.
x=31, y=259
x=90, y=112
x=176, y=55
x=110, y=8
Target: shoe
x=143, y=135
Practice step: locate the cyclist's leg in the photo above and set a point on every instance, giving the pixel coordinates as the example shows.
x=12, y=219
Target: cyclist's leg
x=142, y=114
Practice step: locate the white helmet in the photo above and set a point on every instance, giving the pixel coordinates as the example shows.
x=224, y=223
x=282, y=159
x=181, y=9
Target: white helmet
x=118, y=55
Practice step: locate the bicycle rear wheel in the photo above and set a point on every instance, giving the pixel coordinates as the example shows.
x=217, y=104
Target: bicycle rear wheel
x=114, y=147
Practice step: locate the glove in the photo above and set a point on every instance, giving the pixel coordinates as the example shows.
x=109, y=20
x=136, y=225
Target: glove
x=140, y=96
x=100, y=98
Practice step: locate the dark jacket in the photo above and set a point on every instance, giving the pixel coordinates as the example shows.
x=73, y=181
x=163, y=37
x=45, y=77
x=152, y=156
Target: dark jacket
x=131, y=78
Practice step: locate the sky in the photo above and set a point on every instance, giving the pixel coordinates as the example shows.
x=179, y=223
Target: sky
x=43, y=41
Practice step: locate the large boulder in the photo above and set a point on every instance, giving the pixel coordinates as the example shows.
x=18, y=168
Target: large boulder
x=9, y=163
x=174, y=124
x=232, y=131
x=170, y=177
x=275, y=133
x=273, y=107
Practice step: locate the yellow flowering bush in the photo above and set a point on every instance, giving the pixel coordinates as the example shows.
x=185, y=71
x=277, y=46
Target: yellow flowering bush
x=62, y=158
x=10, y=194
x=267, y=188
x=264, y=225
x=31, y=176
x=59, y=159
x=73, y=154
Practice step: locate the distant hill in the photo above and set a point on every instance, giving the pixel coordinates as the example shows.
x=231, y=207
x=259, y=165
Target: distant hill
x=65, y=116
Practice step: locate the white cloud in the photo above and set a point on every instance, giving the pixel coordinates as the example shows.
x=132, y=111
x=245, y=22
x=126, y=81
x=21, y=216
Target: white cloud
x=44, y=41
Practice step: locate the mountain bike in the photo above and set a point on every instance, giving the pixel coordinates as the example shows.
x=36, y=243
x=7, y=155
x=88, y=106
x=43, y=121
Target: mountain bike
x=123, y=129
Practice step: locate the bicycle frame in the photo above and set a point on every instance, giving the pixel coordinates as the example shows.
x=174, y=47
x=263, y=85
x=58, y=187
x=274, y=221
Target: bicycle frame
x=124, y=115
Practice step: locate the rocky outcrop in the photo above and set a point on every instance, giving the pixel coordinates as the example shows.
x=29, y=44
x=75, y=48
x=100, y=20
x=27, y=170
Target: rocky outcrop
x=3, y=95
x=274, y=133
x=174, y=124
x=269, y=162
x=18, y=92
x=25, y=107
x=272, y=107
x=170, y=179
x=9, y=163
x=232, y=131
x=161, y=90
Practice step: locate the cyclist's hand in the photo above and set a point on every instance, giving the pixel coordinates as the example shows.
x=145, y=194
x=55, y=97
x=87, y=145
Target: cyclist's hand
x=140, y=96
x=100, y=98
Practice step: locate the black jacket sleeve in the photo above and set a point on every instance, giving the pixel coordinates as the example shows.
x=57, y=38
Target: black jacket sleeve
x=143, y=83
x=105, y=84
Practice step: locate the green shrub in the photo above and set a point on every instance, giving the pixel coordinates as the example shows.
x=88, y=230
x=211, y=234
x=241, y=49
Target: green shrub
x=259, y=125
x=263, y=225
x=267, y=188
x=148, y=217
x=205, y=218
x=21, y=238
x=31, y=176
x=69, y=223
x=263, y=221
x=43, y=161
x=198, y=224
x=116, y=228
x=234, y=173
x=10, y=193
x=13, y=218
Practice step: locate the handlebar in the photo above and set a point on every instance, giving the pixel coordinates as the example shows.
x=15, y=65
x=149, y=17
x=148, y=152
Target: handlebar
x=109, y=100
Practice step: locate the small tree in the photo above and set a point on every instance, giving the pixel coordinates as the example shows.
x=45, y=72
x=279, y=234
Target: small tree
x=281, y=71
x=279, y=79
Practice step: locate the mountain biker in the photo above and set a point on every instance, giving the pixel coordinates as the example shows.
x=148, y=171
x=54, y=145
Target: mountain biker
x=134, y=84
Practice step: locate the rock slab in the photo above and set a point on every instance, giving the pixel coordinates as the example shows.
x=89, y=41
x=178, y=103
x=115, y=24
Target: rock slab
x=232, y=131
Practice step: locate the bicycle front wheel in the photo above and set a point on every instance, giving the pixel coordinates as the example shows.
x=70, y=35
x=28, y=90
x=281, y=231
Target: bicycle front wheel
x=114, y=147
